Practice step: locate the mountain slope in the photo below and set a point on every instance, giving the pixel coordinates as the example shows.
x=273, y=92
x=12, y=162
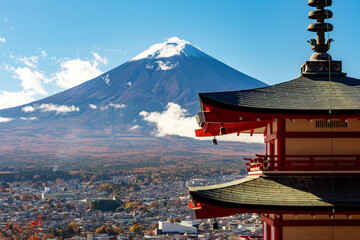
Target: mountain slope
x=173, y=71
x=106, y=109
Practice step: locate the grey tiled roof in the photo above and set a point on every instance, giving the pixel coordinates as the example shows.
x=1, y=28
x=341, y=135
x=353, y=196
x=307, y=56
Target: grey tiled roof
x=302, y=95
x=299, y=193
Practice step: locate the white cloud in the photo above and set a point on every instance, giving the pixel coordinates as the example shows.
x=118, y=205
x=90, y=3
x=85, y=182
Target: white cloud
x=129, y=84
x=106, y=79
x=28, y=109
x=3, y=119
x=31, y=82
x=29, y=118
x=76, y=71
x=133, y=128
x=12, y=99
x=43, y=53
x=7, y=67
x=29, y=61
x=99, y=59
x=50, y=107
x=175, y=121
x=2, y=40
x=165, y=66
x=30, y=79
x=114, y=105
x=92, y=106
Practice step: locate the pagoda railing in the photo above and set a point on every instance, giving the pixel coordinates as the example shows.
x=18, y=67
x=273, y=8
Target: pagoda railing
x=303, y=163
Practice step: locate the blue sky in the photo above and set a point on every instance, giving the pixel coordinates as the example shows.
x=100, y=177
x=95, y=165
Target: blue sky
x=43, y=43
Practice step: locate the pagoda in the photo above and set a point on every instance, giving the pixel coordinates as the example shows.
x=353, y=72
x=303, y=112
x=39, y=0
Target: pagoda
x=307, y=185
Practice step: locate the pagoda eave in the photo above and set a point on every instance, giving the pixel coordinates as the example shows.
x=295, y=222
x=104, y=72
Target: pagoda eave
x=235, y=121
x=214, y=113
x=206, y=211
x=278, y=195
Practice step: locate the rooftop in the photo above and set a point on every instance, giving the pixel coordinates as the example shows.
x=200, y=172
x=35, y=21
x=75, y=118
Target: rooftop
x=281, y=193
x=303, y=95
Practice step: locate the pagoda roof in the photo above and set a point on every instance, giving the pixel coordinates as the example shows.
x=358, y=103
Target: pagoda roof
x=303, y=95
x=267, y=193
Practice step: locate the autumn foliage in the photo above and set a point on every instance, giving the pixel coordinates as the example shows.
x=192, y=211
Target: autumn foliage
x=28, y=231
x=109, y=230
x=137, y=228
x=72, y=229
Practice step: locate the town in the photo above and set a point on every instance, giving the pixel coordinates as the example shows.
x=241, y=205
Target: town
x=123, y=207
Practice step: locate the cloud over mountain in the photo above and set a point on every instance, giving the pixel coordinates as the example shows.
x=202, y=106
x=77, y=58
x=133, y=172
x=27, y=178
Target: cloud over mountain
x=175, y=121
x=49, y=107
x=155, y=92
x=76, y=71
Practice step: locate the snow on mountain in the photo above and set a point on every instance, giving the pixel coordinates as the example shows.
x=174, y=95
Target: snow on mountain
x=155, y=93
x=172, y=47
x=170, y=72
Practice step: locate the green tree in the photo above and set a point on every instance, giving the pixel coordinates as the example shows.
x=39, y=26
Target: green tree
x=120, y=209
x=105, y=205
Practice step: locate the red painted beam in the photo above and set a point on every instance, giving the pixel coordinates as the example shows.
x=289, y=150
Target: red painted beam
x=313, y=222
x=213, y=129
x=217, y=114
x=312, y=135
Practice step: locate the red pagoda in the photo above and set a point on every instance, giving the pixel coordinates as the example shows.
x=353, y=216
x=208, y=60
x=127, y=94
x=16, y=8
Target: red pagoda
x=307, y=185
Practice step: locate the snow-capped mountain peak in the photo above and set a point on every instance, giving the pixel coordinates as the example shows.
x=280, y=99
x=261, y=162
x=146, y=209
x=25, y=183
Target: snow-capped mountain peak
x=172, y=47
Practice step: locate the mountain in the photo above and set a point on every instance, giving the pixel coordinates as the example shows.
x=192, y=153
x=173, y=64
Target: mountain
x=109, y=105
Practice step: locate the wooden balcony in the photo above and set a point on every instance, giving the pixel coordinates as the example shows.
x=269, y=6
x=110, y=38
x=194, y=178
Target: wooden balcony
x=301, y=163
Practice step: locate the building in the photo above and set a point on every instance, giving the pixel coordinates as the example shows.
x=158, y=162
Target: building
x=98, y=236
x=57, y=192
x=307, y=185
x=176, y=228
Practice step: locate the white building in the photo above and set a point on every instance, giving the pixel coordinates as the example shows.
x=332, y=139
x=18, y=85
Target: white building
x=176, y=228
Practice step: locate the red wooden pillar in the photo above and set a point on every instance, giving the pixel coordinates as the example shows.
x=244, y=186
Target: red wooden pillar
x=280, y=139
x=278, y=233
x=272, y=230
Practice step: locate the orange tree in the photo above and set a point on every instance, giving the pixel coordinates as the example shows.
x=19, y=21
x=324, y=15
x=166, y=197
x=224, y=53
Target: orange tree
x=28, y=231
x=137, y=228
